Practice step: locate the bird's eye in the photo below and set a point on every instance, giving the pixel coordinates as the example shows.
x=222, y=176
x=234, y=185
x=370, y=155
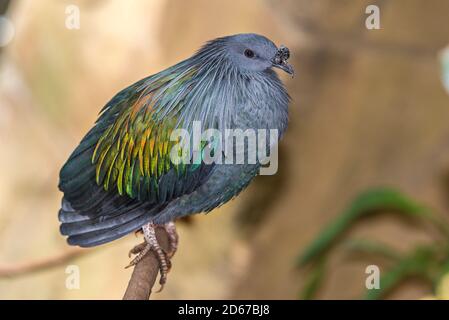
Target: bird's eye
x=249, y=53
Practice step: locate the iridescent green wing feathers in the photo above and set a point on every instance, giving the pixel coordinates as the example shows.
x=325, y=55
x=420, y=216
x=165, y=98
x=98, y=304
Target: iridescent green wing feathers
x=133, y=152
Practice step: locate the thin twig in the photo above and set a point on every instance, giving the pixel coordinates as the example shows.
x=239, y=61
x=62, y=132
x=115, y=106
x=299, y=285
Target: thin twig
x=41, y=264
x=142, y=279
x=146, y=271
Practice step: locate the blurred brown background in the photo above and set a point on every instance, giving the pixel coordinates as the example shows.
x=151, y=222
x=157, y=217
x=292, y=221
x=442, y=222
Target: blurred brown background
x=368, y=109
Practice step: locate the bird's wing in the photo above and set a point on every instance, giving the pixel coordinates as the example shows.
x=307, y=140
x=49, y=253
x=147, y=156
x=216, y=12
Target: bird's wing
x=122, y=170
x=133, y=154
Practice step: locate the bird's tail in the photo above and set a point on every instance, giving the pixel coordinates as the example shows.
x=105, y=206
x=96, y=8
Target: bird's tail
x=87, y=230
x=89, y=215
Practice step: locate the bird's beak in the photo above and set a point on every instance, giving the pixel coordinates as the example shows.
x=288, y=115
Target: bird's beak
x=283, y=65
x=280, y=60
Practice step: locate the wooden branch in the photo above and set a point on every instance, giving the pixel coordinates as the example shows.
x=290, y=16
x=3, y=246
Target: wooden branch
x=146, y=271
x=41, y=264
x=142, y=279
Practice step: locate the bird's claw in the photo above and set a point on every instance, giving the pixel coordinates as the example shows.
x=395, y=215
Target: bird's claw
x=137, y=250
x=151, y=244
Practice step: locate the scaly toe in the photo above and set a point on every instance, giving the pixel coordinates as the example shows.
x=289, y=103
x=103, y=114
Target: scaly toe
x=137, y=249
x=164, y=273
x=141, y=249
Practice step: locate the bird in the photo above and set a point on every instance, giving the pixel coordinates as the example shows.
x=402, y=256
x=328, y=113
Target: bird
x=121, y=178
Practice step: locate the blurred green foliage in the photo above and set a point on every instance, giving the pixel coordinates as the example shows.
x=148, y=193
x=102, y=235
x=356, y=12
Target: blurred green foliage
x=428, y=262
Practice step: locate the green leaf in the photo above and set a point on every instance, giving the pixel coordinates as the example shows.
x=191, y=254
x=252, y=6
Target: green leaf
x=369, y=202
x=314, y=280
x=372, y=247
x=418, y=263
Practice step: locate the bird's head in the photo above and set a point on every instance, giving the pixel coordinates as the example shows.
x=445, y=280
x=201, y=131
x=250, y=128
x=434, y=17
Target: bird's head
x=251, y=52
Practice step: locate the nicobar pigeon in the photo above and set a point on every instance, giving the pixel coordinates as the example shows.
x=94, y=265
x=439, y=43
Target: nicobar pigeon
x=121, y=179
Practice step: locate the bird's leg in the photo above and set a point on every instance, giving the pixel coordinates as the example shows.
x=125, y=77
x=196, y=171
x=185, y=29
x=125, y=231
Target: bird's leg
x=151, y=244
x=173, y=235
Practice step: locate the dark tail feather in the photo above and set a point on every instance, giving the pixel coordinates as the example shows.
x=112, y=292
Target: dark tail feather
x=101, y=222
x=112, y=221
x=116, y=230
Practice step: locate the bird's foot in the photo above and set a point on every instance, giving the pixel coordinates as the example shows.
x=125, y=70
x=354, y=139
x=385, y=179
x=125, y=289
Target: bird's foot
x=151, y=244
x=173, y=235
